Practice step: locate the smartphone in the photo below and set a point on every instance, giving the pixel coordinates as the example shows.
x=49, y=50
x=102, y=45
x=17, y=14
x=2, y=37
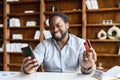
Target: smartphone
x=28, y=51
x=87, y=45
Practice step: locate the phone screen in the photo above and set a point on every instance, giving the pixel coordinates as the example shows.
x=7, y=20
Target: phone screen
x=28, y=51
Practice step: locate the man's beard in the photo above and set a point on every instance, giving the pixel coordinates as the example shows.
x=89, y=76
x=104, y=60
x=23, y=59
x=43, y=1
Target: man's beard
x=63, y=34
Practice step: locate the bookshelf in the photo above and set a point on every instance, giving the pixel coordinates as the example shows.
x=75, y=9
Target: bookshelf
x=107, y=50
x=28, y=14
x=85, y=23
x=74, y=13
x=1, y=32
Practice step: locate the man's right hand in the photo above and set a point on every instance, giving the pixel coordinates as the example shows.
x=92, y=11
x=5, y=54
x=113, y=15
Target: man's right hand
x=30, y=65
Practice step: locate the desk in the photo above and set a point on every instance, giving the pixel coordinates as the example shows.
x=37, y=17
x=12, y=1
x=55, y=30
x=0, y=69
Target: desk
x=44, y=76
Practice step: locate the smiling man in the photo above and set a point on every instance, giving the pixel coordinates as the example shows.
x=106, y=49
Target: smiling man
x=64, y=52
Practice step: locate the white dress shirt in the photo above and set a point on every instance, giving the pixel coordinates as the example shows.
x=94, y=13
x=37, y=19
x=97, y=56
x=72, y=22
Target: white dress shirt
x=56, y=60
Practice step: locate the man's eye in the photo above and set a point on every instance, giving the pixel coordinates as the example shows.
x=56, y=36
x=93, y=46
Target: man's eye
x=58, y=26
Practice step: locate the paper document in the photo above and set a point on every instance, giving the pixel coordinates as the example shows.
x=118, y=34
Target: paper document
x=113, y=73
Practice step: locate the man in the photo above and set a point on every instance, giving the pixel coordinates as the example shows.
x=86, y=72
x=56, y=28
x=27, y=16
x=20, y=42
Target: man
x=64, y=52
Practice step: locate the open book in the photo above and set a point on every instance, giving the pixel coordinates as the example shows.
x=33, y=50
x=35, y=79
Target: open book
x=111, y=74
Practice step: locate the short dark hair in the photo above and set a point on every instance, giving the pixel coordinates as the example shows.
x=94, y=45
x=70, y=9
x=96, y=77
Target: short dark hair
x=60, y=14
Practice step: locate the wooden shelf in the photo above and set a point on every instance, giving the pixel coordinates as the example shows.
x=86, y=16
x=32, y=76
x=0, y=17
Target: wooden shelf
x=104, y=10
x=107, y=55
x=75, y=25
x=71, y=11
x=14, y=53
x=25, y=14
x=14, y=65
x=106, y=25
x=25, y=27
x=23, y=40
x=107, y=40
x=67, y=11
x=23, y=2
x=71, y=26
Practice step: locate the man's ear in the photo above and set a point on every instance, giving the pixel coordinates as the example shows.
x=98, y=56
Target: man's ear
x=67, y=25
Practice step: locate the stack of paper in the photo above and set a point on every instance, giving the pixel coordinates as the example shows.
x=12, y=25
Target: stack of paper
x=15, y=47
x=113, y=73
x=31, y=23
x=17, y=36
x=14, y=22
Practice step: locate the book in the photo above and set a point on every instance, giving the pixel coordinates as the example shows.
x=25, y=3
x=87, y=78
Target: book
x=119, y=51
x=92, y=4
x=118, y=3
x=37, y=34
x=89, y=6
x=47, y=34
x=95, y=4
x=1, y=48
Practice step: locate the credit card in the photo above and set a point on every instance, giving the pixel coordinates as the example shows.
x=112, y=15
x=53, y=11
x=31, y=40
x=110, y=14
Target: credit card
x=87, y=45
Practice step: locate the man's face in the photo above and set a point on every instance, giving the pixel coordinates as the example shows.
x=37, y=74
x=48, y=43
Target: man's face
x=58, y=28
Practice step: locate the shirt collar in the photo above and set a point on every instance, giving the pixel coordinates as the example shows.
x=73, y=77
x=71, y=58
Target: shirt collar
x=69, y=39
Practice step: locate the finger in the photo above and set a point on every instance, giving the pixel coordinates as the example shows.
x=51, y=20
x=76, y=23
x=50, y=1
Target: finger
x=33, y=69
x=26, y=58
x=32, y=66
x=87, y=53
x=94, y=54
x=35, y=65
x=90, y=56
x=30, y=61
x=85, y=56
